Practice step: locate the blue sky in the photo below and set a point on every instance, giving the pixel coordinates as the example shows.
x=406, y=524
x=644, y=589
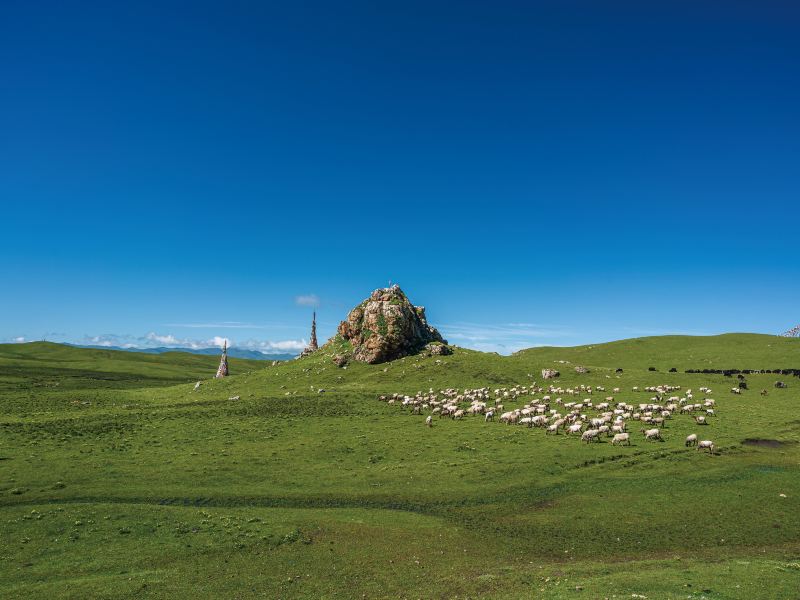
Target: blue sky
x=533, y=173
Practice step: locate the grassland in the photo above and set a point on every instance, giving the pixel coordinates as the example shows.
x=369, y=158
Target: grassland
x=118, y=479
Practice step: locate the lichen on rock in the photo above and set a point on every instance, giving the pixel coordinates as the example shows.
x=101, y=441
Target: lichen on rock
x=386, y=326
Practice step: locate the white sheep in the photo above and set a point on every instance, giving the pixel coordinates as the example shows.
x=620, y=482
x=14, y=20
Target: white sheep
x=621, y=438
x=429, y=421
x=706, y=444
x=575, y=428
x=691, y=440
x=652, y=434
x=590, y=435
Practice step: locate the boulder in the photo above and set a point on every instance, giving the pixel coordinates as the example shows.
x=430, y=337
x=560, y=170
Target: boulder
x=386, y=326
x=438, y=349
x=340, y=360
x=581, y=370
x=550, y=373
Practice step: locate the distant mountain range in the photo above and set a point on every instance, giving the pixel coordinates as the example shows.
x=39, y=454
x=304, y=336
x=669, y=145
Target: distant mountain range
x=232, y=352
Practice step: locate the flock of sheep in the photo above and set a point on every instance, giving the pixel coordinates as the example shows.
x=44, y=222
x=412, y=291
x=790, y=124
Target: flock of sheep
x=554, y=411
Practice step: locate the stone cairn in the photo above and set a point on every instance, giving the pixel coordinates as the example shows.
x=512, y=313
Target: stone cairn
x=222, y=371
x=793, y=332
x=313, y=346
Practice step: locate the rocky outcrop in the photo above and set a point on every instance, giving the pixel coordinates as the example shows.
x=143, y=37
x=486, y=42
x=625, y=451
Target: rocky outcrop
x=386, y=326
x=437, y=349
x=581, y=370
x=550, y=373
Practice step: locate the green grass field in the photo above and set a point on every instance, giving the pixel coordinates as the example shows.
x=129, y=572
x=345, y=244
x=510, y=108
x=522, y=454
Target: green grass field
x=118, y=479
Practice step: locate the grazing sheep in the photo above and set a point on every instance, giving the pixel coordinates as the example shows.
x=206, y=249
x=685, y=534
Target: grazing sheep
x=621, y=438
x=590, y=435
x=429, y=421
x=691, y=440
x=706, y=445
x=489, y=416
x=701, y=420
x=539, y=421
x=574, y=428
x=652, y=434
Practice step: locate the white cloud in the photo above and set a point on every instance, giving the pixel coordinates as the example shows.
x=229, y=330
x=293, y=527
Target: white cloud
x=481, y=332
x=219, y=342
x=504, y=338
x=168, y=340
x=19, y=340
x=104, y=340
x=269, y=347
x=501, y=348
x=307, y=300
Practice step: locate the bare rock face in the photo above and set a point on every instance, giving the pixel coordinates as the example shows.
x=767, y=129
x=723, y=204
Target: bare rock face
x=386, y=326
x=550, y=373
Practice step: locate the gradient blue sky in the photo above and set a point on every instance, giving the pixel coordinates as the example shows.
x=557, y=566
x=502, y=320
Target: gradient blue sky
x=533, y=172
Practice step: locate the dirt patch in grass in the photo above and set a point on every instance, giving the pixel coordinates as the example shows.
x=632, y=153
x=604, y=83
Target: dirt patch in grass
x=764, y=443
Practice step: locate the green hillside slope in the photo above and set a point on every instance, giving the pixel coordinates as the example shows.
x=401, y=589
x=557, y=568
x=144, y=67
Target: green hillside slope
x=262, y=485
x=110, y=368
x=728, y=351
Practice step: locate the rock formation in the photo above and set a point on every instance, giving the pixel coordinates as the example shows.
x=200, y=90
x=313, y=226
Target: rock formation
x=550, y=373
x=436, y=349
x=386, y=326
x=222, y=371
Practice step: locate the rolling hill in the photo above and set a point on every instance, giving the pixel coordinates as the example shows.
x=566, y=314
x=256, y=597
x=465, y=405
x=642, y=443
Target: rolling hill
x=289, y=491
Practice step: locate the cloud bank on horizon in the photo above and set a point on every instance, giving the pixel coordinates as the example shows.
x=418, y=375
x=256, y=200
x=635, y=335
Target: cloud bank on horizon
x=156, y=340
